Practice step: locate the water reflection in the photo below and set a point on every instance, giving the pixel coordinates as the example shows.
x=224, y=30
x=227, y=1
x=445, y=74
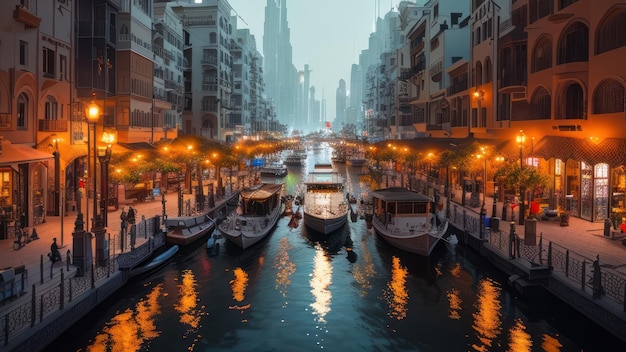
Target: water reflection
x=284, y=266
x=364, y=270
x=519, y=339
x=455, y=301
x=396, y=293
x=238, y=285
x=487, y=317
x=321, y=278
x=551, y=344
x=129, y=330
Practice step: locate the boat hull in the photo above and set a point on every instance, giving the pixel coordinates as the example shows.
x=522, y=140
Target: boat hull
x=155, y=263
x=245, y=231
x=185, y=230
x=421, y=243
x=324, y=225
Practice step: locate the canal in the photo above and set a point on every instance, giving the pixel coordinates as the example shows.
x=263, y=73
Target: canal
x=350, y=291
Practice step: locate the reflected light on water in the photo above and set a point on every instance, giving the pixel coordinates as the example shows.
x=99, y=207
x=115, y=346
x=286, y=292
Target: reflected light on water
x=321, y=278
x=239, y=284
x=396, y=293
x=187, y=300
x=519, y=339
x=455, y=302
x=456, y=270
x=551, y=344
x=284, y=266
x=364, y=270
x=487, y=318
x=127, y=331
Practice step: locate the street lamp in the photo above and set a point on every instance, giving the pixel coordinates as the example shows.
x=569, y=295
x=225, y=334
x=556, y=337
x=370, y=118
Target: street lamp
x=483, y=211
x=104, y=155
x=93, y=114
x=494, y=211
x=520, y=139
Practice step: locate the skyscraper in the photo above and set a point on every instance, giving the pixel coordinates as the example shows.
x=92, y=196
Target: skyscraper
x=282, y=78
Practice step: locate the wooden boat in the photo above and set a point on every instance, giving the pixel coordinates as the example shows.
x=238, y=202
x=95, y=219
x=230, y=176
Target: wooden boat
x=155, y=263
x=325, y=204
x=184, y=230
x=259, y=209
x=274, y=170
x=405, y=220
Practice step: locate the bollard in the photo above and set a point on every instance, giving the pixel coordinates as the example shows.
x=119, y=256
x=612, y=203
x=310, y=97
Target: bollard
x=512, y=240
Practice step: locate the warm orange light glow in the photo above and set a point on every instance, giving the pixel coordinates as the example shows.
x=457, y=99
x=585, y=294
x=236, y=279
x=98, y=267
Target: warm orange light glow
x=396, y=293
x=321, y=278
x=239, y=284
x=520, y=138
x=188, y=300
x=93, y=112
x=284, y=266
x=487, y=317
x=455, y=301
x=519, y=339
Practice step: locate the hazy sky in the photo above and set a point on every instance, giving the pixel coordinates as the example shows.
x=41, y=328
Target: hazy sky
x=326, y=34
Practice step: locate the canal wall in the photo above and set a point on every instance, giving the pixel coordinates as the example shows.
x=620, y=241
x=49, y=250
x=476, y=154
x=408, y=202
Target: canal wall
x=598, y=293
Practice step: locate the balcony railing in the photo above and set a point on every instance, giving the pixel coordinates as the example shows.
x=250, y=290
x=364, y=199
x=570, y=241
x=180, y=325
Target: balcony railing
x=52, y=125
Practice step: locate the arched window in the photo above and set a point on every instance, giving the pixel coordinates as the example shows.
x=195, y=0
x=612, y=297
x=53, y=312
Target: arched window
x=479, y=73
x=612, y=32
x=609, y=97
x=22, y=111
x=574, y=102
x=574, y=44
x=542, y=56
x=541, y=104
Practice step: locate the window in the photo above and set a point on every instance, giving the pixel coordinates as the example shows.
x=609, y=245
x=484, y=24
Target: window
x=51, y=109
x=542, y=57
x=541, y=104
x=23, y=53
x=63, y=67
x=609, y=97
x=22, y=111
x=48, y=62
x=574, y=44
x=565, y=3
x=612, y=33
x=574, y=103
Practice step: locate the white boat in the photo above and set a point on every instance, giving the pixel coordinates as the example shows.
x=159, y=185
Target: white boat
x=274, y=170
x=405, y=220
x=325, y=204
x=183, y=230
x=295, y=159
x=258, y=211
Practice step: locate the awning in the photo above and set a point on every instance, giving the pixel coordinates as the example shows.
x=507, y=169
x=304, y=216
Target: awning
x=13, y=154
x=67, y=152
x=610, y=150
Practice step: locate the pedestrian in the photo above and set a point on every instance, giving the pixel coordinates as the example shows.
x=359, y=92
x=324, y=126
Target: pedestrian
x=132, y=213
x=124, y=227
x=54, y=255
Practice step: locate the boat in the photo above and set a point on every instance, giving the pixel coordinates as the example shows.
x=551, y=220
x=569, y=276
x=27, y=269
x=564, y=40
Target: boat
x=295, y=159
x=259, y=209
x=155, y=263
x=405, y=220
x=325, y=203
x=274, y=170
x=184, y=230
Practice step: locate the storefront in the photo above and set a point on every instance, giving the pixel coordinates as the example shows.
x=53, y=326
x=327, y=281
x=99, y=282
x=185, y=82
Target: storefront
x=24, y=177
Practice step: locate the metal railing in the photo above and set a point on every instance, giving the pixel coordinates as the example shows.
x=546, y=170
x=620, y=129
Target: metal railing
x=54, y=297
x=585, y=272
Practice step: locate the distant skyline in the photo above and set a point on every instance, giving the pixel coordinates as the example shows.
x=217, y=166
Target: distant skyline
x=328, y=35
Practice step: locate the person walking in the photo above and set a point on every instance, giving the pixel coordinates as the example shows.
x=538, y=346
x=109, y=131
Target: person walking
x=55, y=255
x=124, y=228
x=132, y=213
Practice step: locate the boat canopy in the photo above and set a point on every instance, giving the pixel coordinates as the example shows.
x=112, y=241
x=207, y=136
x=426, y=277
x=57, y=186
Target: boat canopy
x=261, y=193
x=398, y=194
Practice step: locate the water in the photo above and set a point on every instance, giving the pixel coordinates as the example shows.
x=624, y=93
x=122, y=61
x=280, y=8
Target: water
x=350, y=291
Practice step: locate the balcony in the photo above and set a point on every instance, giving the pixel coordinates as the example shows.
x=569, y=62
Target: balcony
x=52, y=125
x=209, y=60
x=208, y=86
x=21, y=14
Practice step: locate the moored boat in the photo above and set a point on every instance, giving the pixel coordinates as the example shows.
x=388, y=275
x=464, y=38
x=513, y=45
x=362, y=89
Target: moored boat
x=274, y=170
x=325, y=204
x=183, y=230
x=155, y=263
x=405, y=220
x=258, y=211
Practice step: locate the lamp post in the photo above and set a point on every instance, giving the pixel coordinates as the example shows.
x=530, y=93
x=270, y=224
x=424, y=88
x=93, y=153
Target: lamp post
x=483, y=211
x=104, y=155
x=57, y=173
x=494, y=211
x=520, y=139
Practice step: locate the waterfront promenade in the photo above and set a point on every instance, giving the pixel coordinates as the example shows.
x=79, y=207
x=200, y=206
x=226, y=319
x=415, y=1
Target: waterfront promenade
x=581, y=237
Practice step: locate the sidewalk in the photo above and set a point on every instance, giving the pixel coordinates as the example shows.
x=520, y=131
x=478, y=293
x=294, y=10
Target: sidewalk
x=581, y=236
x=31, y=255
